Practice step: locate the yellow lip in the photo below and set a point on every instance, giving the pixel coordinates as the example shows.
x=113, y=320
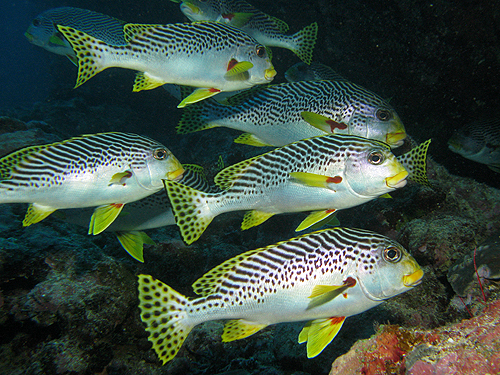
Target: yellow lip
x=270, y=73
x=395, y=138
x=414, y=278
x=28, y=36
x=395, y=181
x=175, y=174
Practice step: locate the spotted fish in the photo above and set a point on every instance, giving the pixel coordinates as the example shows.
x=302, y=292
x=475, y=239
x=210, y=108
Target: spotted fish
x=43, y=30
x=154, y=211
x=312, y=72
x=268, y=30
x=211, y=56
x=106, y=170
x=281, y=114
x=322, y=277
x=479, y=141
x=320, y=174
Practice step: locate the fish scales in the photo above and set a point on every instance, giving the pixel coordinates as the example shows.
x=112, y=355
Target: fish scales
x=274, y=114
x=289, y=281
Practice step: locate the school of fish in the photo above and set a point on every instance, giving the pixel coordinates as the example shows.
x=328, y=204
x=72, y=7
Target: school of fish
x=333, y=150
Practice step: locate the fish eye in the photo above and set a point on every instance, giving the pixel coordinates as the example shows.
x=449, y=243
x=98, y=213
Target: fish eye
x=376, y=158
x=383, y=115
x=160, y=154
x=36, y=22
x=261, y=51
x=392, y=254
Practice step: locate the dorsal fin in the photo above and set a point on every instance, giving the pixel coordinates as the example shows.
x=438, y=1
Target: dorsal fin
x=225, y=178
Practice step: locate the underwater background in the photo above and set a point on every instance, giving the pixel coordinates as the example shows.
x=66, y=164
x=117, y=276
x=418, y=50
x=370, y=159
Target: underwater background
x=68, y=301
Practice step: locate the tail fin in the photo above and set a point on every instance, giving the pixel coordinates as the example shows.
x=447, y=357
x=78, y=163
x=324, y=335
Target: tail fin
x=305, y=40
x=163, y=310
x=191, y=210
x=89, y=51
x=415, y=162
x=194, y=118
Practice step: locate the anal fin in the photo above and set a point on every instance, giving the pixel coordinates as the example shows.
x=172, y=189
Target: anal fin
x=254, y=218
x=145, y=81
x=239, y=329
x=319, y=333
x=251, y=140
x=36, y=213
x=313, y=218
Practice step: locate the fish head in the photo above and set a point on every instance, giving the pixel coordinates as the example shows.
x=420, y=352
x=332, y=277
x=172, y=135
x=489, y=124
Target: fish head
x=197, y=10
x=372, y=117
x=160, y=164
x=371, y=169
x=466, y=143
x=386, y=269
x=43, y=32
x=259, y=56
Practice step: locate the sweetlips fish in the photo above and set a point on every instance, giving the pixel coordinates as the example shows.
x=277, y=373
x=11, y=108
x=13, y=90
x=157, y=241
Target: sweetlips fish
x=280, y=114
x=312, y=72
x=479, y=141
x=154, y=211
x=105, y=169
x=43, y=31
x=321, y=277
x=211, y=56
x=268, y=30
x=320, y=174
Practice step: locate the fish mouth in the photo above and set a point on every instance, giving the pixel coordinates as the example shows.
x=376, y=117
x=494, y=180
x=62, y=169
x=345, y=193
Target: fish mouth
x=269, y=73
x=395, y=139
x=414, y=279
x=397, y=181
x=175, y=175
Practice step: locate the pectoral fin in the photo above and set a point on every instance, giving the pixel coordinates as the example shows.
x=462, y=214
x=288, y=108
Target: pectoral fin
x=322, y=122
x=315, y=180
x=73, y=59
x=198, y=95
x=133, y=242
x=322, y=294
x=235, y=68
x=56, y=40
x=103, y=216
x=254, y=218
x=314, y=218
x=36, y=213
x=319, y=333
x=144, y=81
x=120, y=178
x=237, y=19
x=239, y=329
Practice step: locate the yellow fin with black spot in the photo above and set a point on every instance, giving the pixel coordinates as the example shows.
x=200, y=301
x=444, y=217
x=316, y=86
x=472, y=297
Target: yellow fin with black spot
x=133, y=242
x=319, y=333
x=304, y=41
x=225, y=178
x=415, y=162
x=190, y=208
x=239, y=329
x=163, y=310
x=103, y=216
x=254, y=218
x=36, y=213
x=145, y=81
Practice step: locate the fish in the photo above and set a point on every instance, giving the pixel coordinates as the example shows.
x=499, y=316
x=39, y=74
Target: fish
x=483, y=264
x=320, y=174
x=479, y=141
x=268, y=30
x=151, y=212
x=277, y=115
x=312, y=72
x=43, y=31
x=211, y=56
x=321, y=277
x=107, y=170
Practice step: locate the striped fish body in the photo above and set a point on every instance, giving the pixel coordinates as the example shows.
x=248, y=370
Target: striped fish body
x=322, y=277
x=320, y=174
x=479, y=141
x=281, y=114
x=43, y=31
x=91, y=170
x=202, y=55
x=268, y=30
